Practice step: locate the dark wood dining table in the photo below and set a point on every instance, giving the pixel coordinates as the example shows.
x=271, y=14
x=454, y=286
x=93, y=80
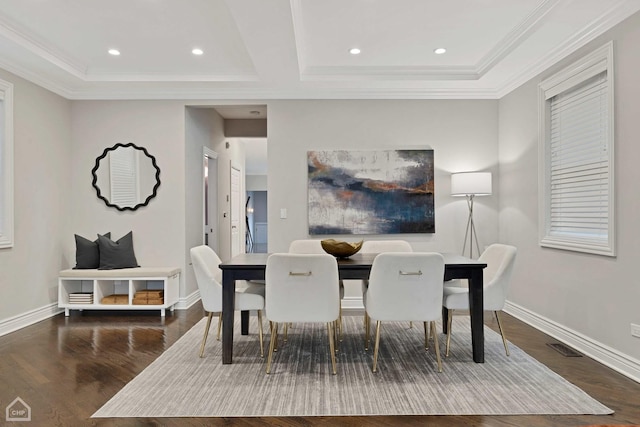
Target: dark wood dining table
x=251, y=266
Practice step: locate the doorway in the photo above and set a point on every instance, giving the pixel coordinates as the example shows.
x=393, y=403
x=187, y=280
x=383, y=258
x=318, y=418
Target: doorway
x=257, y=237
x=210, y=205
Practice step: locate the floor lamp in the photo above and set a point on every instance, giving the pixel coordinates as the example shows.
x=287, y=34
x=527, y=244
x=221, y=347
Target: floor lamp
x=471, y=184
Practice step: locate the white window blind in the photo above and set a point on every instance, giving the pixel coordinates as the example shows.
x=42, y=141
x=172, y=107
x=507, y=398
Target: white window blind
x=578, y=159
x=123, y=165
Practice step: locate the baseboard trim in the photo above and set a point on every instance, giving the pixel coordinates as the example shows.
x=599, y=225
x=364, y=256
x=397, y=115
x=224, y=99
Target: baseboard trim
x=28, y=318
x=188, y=301
x=352, y=303
x=620, y=362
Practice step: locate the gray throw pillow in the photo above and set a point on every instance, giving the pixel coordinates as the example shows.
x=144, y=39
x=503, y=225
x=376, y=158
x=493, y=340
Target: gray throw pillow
x=87, y=252
x=117, y=254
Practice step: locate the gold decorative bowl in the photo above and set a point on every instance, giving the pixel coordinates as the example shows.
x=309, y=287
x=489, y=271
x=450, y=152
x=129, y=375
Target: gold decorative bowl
x=340, y=249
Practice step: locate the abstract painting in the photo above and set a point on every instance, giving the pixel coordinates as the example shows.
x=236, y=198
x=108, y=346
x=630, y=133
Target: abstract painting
x=371, y=192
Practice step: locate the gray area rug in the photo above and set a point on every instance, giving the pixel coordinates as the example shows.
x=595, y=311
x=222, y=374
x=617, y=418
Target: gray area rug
x=180, y=384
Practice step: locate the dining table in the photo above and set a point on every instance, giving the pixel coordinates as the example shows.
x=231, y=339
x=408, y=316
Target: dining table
x=252, y=266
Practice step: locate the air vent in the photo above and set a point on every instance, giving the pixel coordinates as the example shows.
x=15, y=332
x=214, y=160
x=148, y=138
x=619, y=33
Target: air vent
x=564, y=350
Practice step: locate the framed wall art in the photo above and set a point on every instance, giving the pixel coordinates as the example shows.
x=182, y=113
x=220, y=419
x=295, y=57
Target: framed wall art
x=371, y=192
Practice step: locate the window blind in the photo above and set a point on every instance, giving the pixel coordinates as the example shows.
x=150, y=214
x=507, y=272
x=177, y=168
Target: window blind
x=123, y=176
x=579, y=162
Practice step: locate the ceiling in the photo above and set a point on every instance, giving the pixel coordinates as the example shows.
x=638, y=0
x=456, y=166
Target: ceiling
x=294, y=49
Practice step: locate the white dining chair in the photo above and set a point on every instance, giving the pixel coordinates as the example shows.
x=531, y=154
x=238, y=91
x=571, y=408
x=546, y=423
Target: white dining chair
x=314, y=246
x=209, y=277
x=302, y=288
x=406, y=287
x=375, y=247
x=496, y=277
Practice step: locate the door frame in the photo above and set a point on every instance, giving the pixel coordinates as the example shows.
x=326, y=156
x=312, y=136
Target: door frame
x=208, y=155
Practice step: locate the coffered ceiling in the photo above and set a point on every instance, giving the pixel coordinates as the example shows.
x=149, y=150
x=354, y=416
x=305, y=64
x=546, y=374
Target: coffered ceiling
x=294, y=49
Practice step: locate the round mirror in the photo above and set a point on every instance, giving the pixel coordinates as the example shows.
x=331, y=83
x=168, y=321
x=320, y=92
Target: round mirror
x=126, y=176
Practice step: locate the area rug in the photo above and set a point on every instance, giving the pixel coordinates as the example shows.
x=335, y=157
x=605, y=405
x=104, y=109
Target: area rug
x=180, y=384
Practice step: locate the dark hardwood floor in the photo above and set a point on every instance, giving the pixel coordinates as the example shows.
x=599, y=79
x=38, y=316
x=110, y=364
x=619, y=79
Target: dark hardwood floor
x=67, y=368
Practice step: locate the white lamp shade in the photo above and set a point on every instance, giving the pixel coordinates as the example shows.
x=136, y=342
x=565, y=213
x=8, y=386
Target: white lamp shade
x=471, y=183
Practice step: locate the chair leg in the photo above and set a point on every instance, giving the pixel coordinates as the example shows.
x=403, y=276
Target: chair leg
x=260, y=333
x=206, y=332
x=426, y=337
x=219, y=325
x=272, y=343
x=340, y=322
x=367, y=324
x=504, y=338
x=286, y=332
x=336, y=335
x=376, y=347
x=332, y=351
x=436, y=345
x=449, y=321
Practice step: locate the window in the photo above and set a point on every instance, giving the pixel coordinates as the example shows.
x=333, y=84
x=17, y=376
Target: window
x=6, y=164
x=577, y=135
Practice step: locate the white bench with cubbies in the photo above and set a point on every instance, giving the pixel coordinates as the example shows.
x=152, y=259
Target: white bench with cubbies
x=92, y=289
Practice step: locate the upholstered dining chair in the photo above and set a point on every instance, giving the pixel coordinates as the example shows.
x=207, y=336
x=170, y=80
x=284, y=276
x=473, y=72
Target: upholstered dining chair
x=302, y=288
x=496, y=276
x=314, y=246
x=406, y=287
x=209, y=277
x=375, y=247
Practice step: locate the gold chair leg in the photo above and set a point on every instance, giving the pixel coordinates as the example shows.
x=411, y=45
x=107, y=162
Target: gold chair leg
x=260, y=333
x=426, y=336
x=336, y=337
x=504, y=338
x=436, y=345
x=340, y=322
x=332, y=351
x=449, y=322
x=376, y=347
x=271, y=329
x=206, y=332
x=272, y=343
x=286, y=332
x=219, y=325
x=410, y=325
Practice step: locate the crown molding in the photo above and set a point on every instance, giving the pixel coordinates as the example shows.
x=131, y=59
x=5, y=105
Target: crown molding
x=213, y=94
x=36, y=79
x=515, y=37
x=608, y=20
x=11, y=32
x=389, y=73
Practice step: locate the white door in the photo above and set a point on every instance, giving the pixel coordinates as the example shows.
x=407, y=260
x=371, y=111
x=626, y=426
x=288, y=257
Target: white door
x=210, y=199
x=236, y=211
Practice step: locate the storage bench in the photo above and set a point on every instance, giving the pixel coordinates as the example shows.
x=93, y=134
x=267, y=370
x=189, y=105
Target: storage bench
x=93, y=289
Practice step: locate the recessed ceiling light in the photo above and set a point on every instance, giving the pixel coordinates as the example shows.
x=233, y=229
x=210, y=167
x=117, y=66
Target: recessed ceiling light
x=114, y=52
x=354, y=51
x=197, y=51
x=439, y=51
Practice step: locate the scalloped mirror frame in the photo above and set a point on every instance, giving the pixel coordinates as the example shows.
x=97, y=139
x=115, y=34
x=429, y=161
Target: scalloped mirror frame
x=94, y=183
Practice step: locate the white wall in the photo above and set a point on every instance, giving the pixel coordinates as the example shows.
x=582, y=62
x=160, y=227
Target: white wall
x=463, y=134
x=158, y=228
x=256, y=182
x=42, y=179
x=199, y=124
x=586, y=300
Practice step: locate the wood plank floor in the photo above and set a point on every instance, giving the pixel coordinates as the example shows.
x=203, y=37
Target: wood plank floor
x=67, y=368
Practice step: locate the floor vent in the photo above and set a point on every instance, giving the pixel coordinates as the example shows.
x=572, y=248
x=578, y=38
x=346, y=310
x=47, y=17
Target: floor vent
x=564, y=350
